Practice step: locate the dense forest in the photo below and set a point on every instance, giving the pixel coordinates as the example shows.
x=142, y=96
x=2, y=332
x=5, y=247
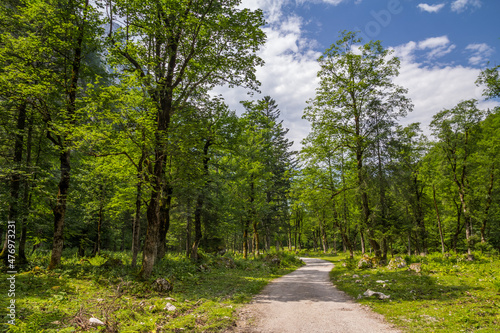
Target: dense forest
x=112, y=138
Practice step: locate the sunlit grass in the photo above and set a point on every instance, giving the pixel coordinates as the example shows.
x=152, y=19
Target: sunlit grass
x=450, y=295
x=64, y=299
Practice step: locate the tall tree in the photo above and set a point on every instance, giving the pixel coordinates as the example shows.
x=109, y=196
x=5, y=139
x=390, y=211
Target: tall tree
x=457, y=132
x=179, y=49
x=48, y=67
x=356, y=92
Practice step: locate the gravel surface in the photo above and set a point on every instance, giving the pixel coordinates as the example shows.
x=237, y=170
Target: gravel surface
x=306, y=301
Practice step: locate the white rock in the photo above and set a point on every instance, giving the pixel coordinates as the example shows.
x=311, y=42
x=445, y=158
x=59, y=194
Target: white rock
x=170, y=307
x=96, y=322
x=380, y=295
x=355, y=276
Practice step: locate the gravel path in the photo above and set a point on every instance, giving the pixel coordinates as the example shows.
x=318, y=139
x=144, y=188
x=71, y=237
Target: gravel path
x=306, y=301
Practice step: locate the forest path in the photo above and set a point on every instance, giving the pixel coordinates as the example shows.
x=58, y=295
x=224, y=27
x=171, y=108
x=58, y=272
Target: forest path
x=306, y=301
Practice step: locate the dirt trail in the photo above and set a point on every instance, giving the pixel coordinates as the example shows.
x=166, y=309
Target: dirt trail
x=306, y=301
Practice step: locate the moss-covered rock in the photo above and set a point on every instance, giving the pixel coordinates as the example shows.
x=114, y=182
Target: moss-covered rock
x=397, y=262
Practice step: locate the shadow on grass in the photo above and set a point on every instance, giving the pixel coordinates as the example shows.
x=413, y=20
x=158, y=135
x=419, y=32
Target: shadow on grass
x=401, y=284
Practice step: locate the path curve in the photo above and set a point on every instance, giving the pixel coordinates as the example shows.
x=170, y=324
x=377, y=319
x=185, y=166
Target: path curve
x=306, y=301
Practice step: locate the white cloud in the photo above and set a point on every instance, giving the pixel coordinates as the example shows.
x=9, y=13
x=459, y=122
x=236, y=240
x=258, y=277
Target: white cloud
x=431, y=8
x=330, y=2
x=460, y=5
x=435, y=47
x=480, y=53
x=289, y=73
x=433, y=88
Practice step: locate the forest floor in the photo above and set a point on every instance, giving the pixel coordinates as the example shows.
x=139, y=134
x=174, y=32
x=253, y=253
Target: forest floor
x=204, y=298
x=306, y=301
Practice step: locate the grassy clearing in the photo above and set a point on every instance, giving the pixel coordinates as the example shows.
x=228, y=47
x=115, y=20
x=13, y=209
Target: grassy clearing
x=206, y=296
x=449, y=295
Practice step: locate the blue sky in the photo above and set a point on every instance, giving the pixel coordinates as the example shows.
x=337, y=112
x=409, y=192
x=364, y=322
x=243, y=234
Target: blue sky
x=442, y=45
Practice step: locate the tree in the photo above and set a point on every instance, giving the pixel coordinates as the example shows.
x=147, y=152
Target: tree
x=355, y=95
x=457, y=131
x=46, y=65
x=180, y=49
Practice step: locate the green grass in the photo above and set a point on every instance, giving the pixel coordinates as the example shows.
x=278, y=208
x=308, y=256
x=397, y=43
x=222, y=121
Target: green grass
x=450, y=295
x=206, y=298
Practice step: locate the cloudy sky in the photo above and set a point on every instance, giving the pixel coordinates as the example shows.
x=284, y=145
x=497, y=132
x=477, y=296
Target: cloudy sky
x=442, y=46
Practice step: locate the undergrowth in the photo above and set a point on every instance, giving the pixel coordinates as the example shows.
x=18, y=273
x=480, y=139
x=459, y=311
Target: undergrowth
x=205, y=294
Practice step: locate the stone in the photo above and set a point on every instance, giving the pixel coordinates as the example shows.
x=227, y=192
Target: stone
x=365, y=262
x=170, y=307
x=369, y=293
x=162, y=285
x=96, y=322
x=416, y=267
x=355, y=276
x=397, y=262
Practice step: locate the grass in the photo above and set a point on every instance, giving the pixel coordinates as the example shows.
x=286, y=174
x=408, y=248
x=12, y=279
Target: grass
x=205, y=295
x=451, y=294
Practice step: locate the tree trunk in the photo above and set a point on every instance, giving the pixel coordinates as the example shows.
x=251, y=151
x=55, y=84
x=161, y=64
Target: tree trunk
x=200, y=201
x=164, y=223
x=26, y=197
x=152, y=234
x=245, y=238
x=420, y=215
x=15, y=181
x=188, y=229
x=136, y=226
x=197, y=227
x=100, y=217
x=459, y=227
x=362, y=240
x=59, y=209
x=488, y=204
x=438, y=219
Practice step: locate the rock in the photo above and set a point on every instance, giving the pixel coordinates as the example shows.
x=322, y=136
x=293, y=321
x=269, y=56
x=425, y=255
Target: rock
x=96, y=322
x=369, y=293
x=162, y=285
x=170, y=307
x=381, y=281
x=470, y=257
x=170, y=299
x=355, y=276
x=358, y=281
x=416, y=267
x=365, y=262
x=344, y=264
x=397, y=262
